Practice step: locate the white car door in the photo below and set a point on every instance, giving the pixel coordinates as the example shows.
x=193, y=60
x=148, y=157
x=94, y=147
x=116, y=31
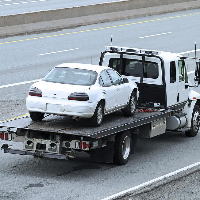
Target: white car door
x=123, y=89
x=109, y=90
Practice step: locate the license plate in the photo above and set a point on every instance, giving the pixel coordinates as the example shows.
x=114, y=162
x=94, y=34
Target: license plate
x=53, y=107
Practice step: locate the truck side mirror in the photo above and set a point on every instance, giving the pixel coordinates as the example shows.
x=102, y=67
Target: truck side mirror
x=197, y=73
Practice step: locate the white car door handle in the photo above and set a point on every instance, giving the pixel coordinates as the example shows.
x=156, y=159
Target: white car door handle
x=104, y=92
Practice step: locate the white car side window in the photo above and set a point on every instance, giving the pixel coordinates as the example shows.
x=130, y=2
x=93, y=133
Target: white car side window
x=104, y=79
x=116, y=78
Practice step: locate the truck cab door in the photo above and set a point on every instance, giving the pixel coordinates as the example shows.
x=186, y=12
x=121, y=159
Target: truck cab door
x=177, y=87
x=183, y=85
x=173, y=84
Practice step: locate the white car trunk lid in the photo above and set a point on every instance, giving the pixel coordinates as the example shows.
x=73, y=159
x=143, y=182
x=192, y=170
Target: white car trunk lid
x=58, y=90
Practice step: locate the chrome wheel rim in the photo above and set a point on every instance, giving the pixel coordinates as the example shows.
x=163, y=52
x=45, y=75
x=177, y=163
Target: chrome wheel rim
x=99, y=114
x=132, y=104
x=195, y=121
x=126, y=147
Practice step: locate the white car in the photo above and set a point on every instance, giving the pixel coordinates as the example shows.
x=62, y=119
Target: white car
x=83, y=91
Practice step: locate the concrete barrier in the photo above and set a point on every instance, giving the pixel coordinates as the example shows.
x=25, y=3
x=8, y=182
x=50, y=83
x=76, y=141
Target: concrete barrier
x=85, y=15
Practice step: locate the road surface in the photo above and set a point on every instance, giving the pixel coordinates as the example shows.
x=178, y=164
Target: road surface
x=25, y=59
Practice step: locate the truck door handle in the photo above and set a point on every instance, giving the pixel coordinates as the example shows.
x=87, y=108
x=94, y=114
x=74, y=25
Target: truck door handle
x=104, y=92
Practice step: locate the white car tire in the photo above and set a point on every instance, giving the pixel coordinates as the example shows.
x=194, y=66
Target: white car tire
x=97, y=118
x=129, y=110
x=36, y=116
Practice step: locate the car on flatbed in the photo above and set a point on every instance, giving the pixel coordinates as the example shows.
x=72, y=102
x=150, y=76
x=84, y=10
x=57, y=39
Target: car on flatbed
x=81, y=91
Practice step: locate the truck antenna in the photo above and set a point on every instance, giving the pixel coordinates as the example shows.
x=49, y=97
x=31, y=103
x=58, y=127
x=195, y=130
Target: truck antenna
x=195, y=50
x=111, y=39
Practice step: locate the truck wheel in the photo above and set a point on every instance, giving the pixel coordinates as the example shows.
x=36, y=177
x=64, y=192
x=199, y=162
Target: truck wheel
x=122, y=148
x=129, y=110
x=36, y=116
x=97, y=118
x=194, y=122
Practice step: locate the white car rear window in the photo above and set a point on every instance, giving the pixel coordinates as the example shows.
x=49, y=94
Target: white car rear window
x=71, y=76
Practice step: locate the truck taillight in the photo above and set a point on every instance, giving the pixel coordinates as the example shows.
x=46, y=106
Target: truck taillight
x=35, y=92
x=78, y=96
x=82, y=145
x=4, y=136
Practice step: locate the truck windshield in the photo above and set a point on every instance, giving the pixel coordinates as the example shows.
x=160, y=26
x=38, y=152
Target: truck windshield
x=71, y=76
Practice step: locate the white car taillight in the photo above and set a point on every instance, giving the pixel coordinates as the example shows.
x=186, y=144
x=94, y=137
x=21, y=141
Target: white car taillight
x=78, y=96
x=35, y=92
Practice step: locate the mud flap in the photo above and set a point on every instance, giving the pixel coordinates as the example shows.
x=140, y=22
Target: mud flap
x=134, y=138
x=104, y=154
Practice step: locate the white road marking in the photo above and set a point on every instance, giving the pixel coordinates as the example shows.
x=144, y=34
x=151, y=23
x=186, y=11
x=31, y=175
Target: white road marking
x=151, y=181
x=23, y=2
x=20, y=83
x=54, y=52
x=159, y=34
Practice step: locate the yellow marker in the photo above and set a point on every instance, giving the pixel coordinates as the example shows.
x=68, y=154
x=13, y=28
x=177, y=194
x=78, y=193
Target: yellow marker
x=102, y=28
x=25, y=115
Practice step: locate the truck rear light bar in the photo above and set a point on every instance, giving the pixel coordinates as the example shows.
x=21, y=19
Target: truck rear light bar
x=5, y=136
x=130, y=50
x=83, y=145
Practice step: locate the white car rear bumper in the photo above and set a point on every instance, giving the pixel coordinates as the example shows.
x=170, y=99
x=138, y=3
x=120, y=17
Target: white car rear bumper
x=82, y=109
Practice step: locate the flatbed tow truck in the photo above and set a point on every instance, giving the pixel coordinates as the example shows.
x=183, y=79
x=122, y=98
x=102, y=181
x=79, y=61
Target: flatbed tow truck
x=62, y=137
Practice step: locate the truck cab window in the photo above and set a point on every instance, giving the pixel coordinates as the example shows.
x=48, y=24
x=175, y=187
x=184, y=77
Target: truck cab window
x=134, y=68
x=182, y=71
x=151, y=70
x=172, y=72
x=114, y=63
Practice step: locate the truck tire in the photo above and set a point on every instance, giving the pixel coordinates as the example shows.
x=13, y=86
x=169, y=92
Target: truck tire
x=122, y=148
x=36, y=116
x=129, y=110
x=97, y=118
x=194, y=122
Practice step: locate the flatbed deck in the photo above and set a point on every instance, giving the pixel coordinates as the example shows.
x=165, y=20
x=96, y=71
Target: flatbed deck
x=112, y=124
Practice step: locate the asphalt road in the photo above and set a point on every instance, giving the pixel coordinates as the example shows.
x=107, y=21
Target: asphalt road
x=10, y=7
x=30, y=57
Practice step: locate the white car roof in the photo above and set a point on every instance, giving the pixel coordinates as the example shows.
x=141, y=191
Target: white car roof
x=83, y=66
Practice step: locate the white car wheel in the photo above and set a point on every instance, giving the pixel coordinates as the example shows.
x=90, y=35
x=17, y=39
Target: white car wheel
x=97, y=118
x=131, y=106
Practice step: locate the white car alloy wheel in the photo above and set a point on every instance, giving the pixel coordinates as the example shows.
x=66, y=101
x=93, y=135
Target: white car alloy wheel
x=97, y=118
x=126, y=147
x=132, y=104
x=99, y=114
x=129, y=110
